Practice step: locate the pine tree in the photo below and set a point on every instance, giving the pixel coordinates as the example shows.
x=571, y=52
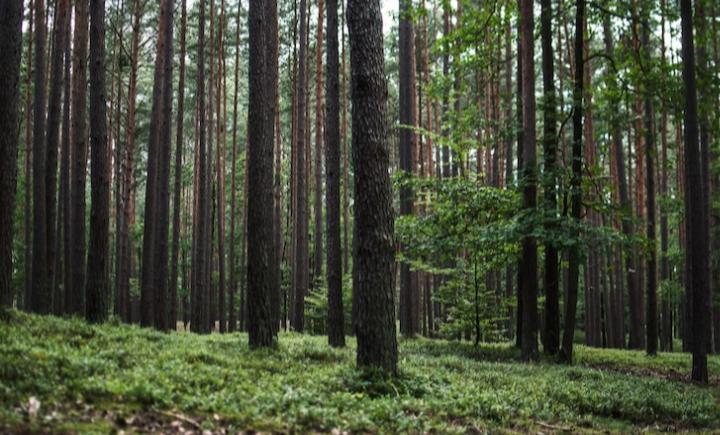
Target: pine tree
x=373, y=248
x=10, y=49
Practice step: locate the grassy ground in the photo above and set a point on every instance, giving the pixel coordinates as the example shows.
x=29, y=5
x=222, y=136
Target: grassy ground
x=105, y=378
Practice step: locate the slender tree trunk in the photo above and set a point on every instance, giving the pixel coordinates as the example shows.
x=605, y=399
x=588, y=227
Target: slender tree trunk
x=79, y=157
x=408, y=120
x=96, y=295
x=336, y=321
x=173, y=316
x=40, y=296
x=11, y=14
x=373, y=250
x=220, y=167
x=697, y=282
x=552, y=279
x=232, y=317
x=319, y=124
x=566, y=353
x=28, y=163
x=345, y=148
x=650, y=153
x=53, y=139
x=198, y=322
x=300, y=225
x=528, y=266
x=64, y=200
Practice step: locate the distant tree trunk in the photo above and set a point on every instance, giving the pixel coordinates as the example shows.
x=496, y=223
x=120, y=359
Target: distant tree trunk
x=650, y=152
x=96, y=295
x=277, y=186
x=336, y=321
x=173, y=316
x=575, y=185
x=345, y=148
x=198, y=322
x=261, y=110
x=27, y=209
x=220, y=168
x=125, y=253
x=39, y=298
x=409, y=326
x=64, y=200
x=373, y=247
x=528, y=266
x=11, y=14
x=300, y=224
x=697, y=282
x=552, y=279
x=319, y=122
x=520, y=179
x=53, y=138
x=232, y=317
x=79, y=157
x=626, y=208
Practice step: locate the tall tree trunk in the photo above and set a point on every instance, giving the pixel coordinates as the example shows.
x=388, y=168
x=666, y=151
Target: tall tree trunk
x=53, y=139
x=64, y=199
x=697, y=280
x=198, y=322
x=552, y=279
x=10, y=48
x=373, y=250
x=96, y=296
x=153, y=284
x=336, y=321
x=575, y=185
x=40, y=296
x=79, y=157
x=220, y=167
x=650, y=153
x=261, y=110
x=408, y=120
x=300, y=224
x=319, y=123
x=232, y=317
x=28, y=163
x=528, y=266
x=173, y=316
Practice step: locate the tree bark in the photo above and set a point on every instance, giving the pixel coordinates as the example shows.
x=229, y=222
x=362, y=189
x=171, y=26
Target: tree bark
x=319, y=123
x=336, y=321
x=53, y=139
x=566, y=353
x=552, y=279
x=40, y=296
x=79, y=157
x=528, y=266
x=173, y=316
x=373, y=248
x=261, y=110
x=300, y=224
x=96, y=296
x=409, y=325
x=697, y=280
x=11, y=14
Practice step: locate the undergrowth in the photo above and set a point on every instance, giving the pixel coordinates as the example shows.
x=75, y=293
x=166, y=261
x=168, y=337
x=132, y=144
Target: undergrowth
x=304, y=385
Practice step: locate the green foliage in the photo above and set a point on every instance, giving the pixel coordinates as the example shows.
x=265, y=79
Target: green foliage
x=304, y=385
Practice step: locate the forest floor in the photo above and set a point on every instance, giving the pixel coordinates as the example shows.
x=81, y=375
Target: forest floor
x=64, y=376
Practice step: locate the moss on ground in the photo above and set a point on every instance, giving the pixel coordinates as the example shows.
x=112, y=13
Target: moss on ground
x=100, y=378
